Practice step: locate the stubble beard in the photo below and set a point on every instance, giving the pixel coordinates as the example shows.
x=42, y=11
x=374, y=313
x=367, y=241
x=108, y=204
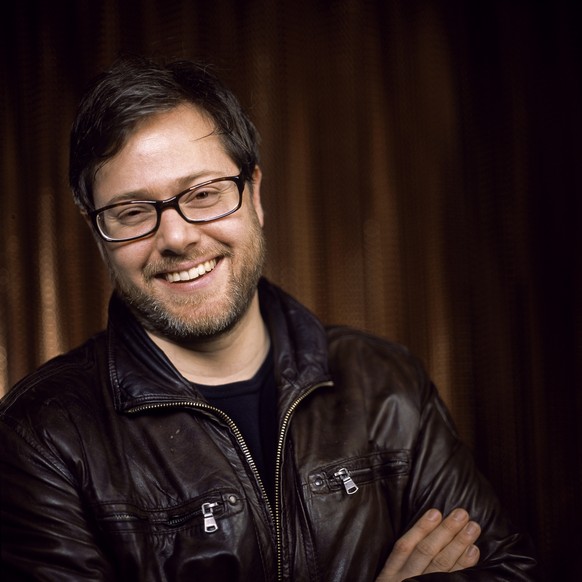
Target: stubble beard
x=174, y=321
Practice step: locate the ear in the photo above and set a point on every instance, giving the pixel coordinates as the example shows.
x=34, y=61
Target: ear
x=256, y=194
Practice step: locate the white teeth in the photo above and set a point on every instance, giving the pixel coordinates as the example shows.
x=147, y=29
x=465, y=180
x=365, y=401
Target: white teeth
x=193, y=273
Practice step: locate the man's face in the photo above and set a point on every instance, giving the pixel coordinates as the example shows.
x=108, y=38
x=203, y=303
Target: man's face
x=186, y=281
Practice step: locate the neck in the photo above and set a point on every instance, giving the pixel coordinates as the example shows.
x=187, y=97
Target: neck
x=232, y=357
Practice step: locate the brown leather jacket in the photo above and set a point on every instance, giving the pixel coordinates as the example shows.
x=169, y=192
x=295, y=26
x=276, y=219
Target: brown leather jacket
x=115, y=468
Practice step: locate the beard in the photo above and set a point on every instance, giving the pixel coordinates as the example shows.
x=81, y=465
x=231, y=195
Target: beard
x=190, y=319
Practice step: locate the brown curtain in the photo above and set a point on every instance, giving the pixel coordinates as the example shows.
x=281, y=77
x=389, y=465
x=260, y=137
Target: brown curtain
x=422, y=181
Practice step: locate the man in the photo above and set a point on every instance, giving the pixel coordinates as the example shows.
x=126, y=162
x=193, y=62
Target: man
x=216, y=431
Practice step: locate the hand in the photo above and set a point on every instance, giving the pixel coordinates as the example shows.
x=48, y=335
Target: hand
x=433, y=544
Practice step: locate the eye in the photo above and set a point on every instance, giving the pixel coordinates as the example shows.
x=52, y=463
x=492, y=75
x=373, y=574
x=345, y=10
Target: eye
x=202, y=197
x=130, y=214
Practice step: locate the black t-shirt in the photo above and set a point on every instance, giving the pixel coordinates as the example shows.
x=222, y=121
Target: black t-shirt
x=252, y=405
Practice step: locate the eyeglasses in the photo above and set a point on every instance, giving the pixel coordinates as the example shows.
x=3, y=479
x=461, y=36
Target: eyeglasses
x=205, y=202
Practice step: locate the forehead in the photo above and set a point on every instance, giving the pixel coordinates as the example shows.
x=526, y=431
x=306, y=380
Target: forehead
x=164, y=152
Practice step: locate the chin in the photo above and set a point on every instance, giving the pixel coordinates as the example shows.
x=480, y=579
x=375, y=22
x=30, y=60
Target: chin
x=187, y=330
x=192, y=321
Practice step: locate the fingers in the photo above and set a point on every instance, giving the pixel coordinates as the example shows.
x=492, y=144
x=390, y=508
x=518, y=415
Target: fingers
x=406, y=545
x=452, y=545
x=434, y=544
x=468, y=559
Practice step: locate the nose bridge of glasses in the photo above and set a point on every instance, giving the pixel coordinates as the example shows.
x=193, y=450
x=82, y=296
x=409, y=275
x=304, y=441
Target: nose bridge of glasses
x=174, y=203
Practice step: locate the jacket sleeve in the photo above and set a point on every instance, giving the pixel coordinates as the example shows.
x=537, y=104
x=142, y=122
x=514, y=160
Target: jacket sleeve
x=444, y=476
x=44, y=532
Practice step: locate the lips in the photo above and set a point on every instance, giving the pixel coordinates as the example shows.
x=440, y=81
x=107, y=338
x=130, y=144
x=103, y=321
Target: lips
x=191, y=274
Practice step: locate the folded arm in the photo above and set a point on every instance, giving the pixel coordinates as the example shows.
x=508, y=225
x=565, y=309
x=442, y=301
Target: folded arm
x=476, y=540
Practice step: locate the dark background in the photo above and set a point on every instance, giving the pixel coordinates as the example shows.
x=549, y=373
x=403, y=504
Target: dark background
x=422, y=181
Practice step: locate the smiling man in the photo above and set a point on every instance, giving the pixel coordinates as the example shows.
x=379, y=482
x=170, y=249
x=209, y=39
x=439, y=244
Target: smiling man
x=187, y=285
x=216, y=430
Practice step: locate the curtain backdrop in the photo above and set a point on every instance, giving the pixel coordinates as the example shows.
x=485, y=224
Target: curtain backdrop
x=422, y=181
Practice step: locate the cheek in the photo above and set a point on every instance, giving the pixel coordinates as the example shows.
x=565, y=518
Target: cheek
x=126, y=260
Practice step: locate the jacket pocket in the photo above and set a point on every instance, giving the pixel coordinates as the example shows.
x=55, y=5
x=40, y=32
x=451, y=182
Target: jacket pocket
x=210, y=536
x=353, y=507
x=203, y=514
x=350, y=474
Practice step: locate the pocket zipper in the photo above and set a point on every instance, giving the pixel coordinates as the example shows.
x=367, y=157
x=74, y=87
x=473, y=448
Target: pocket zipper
x=344, y=475
x=210, y=525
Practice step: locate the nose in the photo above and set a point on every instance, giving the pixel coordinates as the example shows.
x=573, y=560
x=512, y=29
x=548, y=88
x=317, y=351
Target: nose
x=174, y=234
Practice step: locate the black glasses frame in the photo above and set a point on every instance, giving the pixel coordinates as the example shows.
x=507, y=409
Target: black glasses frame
x=161, y=205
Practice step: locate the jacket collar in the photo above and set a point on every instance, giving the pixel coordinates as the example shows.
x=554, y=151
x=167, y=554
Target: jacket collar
x=141, y=374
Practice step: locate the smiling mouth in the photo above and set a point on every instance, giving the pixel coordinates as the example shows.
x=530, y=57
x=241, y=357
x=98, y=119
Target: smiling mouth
x=191, y=274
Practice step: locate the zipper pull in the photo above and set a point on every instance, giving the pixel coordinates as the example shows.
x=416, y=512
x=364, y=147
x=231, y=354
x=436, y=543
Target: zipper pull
x=347, y=480
x=209, y=521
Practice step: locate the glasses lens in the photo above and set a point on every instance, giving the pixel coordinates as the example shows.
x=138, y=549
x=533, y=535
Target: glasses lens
x=127, y=220
x=210, y=201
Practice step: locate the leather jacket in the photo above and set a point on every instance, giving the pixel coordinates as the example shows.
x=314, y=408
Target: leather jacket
x=115, y=468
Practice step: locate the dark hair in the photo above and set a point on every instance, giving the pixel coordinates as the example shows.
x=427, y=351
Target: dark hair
x=135, y=88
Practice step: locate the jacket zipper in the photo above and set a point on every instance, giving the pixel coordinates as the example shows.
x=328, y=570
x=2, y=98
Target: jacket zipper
x=278, y=464
x=275, y=515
